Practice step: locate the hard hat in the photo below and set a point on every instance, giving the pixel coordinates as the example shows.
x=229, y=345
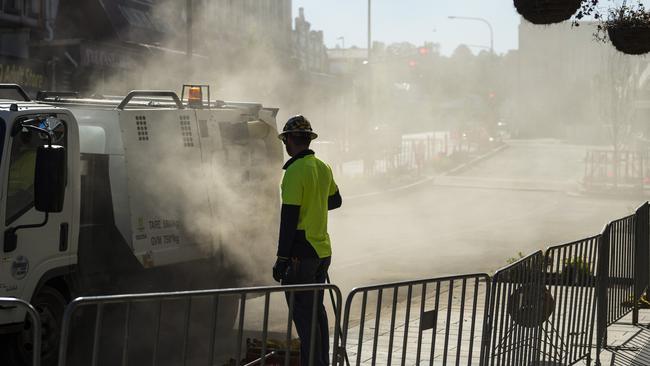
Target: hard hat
x=298, y=124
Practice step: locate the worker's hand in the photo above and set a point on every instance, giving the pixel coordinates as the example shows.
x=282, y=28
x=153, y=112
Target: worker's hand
x=280, y=268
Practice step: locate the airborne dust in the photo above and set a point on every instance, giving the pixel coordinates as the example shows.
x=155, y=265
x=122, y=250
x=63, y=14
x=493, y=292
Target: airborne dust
x=375, y=118
x=539, y=116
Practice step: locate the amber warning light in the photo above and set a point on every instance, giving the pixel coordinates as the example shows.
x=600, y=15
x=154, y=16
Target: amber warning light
x=195, y=95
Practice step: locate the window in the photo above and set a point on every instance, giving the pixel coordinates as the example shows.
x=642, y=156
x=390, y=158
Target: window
x=13, y=7
x=20, y=188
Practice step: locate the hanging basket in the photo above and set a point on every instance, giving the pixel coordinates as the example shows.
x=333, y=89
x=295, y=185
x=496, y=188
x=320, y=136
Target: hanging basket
x=547, y=11
x=632, y=40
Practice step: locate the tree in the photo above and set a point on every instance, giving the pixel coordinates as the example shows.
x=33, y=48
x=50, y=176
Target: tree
x=617, y=90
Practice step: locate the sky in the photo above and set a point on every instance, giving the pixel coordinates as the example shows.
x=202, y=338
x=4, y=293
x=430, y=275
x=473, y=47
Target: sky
x=415, y=21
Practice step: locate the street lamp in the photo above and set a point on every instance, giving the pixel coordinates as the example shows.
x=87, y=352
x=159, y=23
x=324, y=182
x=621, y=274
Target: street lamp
x=189, y=24
x=480, y=20
x=342, y=39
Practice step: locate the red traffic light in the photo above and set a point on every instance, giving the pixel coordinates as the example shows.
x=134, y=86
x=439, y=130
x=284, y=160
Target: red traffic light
x=423, y=51
x=412, y=63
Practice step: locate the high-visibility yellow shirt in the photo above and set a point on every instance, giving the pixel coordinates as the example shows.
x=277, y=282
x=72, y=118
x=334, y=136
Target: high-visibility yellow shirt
x=308, y=182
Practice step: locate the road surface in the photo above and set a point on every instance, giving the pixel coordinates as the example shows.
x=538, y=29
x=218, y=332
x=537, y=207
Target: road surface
x=523, y=199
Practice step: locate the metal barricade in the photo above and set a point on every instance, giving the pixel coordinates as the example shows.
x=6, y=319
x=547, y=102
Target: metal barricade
x=622, y=272
x=441, y=320
x=642, y=256
x=34, y=318
x=519, y=305
x=615, y=275
x=570, y=277
x=170, y=328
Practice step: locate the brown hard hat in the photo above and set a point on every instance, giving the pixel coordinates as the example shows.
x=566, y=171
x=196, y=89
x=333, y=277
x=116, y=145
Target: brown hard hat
x=297, y=124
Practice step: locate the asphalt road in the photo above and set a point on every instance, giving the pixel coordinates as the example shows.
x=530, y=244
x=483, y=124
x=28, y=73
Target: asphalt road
x=522, y=199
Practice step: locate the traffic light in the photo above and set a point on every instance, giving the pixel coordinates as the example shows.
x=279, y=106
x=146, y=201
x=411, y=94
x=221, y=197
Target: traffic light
x=413, y=63
x=423, y=51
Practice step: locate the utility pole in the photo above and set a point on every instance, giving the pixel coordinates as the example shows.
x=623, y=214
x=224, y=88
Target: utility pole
x=369, y=28
x=189, y=24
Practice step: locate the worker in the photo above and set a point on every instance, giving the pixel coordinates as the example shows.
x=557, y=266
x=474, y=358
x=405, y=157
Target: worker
x=304, y=248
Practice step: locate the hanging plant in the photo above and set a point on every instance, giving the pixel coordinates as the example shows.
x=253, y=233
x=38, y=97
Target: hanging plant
x=628, y=28
x=547, y=11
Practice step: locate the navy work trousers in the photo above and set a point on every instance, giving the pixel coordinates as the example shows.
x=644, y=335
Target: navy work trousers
x=304, y=271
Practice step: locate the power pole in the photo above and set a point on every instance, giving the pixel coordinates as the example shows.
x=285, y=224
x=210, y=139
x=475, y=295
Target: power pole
x=369, y=28
x=189, y=25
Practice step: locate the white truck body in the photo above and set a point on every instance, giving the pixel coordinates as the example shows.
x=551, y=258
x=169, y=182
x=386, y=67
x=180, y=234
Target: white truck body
x=148, y=204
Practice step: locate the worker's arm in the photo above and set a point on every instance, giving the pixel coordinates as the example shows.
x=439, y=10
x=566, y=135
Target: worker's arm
x=334, y=201
x=288, y=226
x=292, y=190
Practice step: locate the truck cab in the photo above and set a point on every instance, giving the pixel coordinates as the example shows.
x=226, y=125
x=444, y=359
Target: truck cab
x=38, y=248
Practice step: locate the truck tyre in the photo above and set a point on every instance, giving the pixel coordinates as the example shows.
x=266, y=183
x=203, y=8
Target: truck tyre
x=17, y=348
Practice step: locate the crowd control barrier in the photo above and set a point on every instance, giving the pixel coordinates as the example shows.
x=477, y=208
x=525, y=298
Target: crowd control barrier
x=170, y=328
x=519, y=305
x=547, y=308
x=438, y=320
x=33, y=318
x=570, y=279
x=622, y=277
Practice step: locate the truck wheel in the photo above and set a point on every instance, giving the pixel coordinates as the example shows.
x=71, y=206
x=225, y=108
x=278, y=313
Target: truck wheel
x=50, y=304
x=18, y=348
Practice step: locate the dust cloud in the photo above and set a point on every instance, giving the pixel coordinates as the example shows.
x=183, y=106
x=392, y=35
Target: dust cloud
x=561, y=89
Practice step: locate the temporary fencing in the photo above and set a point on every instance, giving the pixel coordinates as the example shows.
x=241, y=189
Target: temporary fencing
x=417, y=151
x=622, y=275
x=169, y=328
x=519, y=305
x=570, y=279
x=618, y=268
x=606, y=169
x=542, y=309
x=642, y=256
x=34, y=320
x=437, y=320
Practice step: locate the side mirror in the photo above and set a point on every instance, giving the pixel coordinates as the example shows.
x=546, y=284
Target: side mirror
x=50, y=178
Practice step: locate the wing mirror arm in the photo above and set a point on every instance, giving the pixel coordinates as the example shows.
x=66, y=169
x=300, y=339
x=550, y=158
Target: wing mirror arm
x=38, y=129
x=11, y=239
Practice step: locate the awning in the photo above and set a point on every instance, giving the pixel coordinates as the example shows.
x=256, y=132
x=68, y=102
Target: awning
x=127, y=20
x=134, y=21
x=88, y=53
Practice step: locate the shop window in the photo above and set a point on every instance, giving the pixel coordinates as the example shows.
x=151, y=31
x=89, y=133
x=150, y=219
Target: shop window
x=13, y=7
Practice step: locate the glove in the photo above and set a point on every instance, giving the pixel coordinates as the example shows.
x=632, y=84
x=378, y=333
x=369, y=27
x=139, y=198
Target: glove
x=280, y=268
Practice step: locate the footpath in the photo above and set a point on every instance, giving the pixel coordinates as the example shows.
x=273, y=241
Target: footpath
x=359, y=186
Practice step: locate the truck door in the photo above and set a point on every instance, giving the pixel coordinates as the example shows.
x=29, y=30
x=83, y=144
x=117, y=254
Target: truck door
x=38, y=249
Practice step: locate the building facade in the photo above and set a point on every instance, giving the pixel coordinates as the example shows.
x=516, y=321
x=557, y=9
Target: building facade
x=309, y=46
x=111, y=46
x=23, y=21
x=564, y=81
